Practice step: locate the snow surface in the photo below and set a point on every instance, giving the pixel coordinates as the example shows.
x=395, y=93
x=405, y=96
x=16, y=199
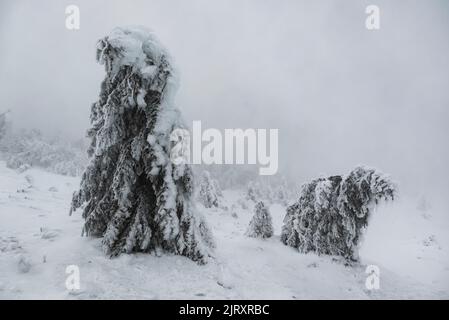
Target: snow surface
x=38, y=240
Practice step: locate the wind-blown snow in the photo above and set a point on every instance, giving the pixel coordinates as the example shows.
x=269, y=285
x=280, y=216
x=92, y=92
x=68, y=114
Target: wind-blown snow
x=38, y=240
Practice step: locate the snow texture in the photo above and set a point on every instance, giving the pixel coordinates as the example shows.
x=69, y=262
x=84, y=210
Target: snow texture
x=38, y=240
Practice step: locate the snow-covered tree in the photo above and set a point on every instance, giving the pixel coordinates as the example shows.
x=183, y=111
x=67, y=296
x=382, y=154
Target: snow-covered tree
x=3, y=124
x=260, y=225
x=282, y=193
x=331, y=213
x=131, y=193
x=209, y=193
x=256, y=192
x=217, y=188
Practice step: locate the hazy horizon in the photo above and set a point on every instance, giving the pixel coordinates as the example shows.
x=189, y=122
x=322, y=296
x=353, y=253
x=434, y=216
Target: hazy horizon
x=339, y=94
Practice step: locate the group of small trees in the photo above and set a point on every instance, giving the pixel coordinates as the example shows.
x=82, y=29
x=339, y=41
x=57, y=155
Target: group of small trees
x=26, y=148
x=29, y=148
x=331, y=213
x=260, y=191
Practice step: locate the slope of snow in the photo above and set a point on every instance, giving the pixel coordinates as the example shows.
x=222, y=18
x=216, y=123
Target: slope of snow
x=408, y=242
x=38, y=240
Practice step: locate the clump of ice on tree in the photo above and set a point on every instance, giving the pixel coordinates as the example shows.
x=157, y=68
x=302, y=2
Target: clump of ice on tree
x=261, y=225
x=131, y=193
x=331, y=213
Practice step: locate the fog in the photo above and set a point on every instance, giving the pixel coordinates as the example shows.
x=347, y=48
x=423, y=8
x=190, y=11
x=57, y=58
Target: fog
x=341, y=95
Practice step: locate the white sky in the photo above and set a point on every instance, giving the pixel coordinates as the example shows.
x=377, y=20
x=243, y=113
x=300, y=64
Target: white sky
x=341, y=95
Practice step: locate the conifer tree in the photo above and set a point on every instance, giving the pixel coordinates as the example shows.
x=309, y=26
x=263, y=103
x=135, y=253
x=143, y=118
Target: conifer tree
x=131, y=194
x=3, y=124
x=261, y=225
x=209, y=191
x=331, y=213
x=254, y=192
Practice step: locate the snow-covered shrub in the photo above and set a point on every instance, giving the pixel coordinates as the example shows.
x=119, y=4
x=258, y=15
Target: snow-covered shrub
x=206, y=233
x=260, y=225
x=331, y=213
x=131, y=193
x=29, y=148
x=209, y=193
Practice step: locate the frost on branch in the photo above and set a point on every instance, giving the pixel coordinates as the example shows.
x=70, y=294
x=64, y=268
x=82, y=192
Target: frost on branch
x=131, y=193
x=331, y=213
x=261, y=225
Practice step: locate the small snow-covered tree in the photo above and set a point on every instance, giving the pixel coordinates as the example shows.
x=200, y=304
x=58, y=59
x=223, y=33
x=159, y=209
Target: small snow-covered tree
x=282, y=193
x=131, y=193
x=209, y=191
x=217, y=188
x=255, y=191
x=2, y=124
x=331, y=213
x=260, y=225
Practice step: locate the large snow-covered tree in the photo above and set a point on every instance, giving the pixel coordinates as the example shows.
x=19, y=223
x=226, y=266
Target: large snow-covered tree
x=331, y=213
x=261, y=225
x=131, y=193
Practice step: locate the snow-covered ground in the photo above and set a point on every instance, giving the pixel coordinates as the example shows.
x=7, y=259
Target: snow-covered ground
x=38, y=240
